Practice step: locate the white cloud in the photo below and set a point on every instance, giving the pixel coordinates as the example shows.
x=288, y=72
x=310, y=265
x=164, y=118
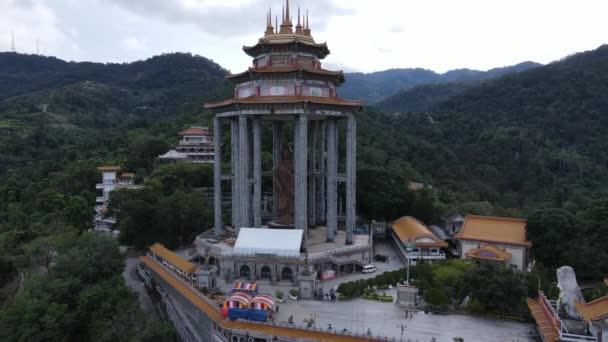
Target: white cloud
x=30, y=22
x=362, y=35
x=132, y=43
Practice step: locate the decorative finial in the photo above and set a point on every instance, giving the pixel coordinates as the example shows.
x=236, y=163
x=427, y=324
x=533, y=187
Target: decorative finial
x=276, y=22
x=286, y=25
x=269, y=28
x=307, y=29
x=299, y=26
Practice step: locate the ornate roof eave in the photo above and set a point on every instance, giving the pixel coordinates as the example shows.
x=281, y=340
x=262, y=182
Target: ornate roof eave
x=321, y=50
x=286, y=100
x=337, y=77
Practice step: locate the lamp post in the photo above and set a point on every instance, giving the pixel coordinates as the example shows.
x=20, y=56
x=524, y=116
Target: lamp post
x=408, y=245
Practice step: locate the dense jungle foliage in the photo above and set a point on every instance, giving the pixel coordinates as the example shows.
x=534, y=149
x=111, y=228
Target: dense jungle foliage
x=524, y=142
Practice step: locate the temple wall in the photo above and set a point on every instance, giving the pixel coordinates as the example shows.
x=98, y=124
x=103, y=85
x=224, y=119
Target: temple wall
x=518, y=253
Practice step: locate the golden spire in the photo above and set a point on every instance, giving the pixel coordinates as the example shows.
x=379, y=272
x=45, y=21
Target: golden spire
x=286, y=26
x=299, y=26
x=307, y=29
x=269, y=28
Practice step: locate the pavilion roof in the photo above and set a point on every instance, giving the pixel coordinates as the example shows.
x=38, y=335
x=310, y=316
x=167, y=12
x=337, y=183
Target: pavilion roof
x=108, y=168
x=173, y=258
x=286, y=100
x=195, y=131
x=410, y=230
x=594, y=310
x=490, y=253
x=494, y=229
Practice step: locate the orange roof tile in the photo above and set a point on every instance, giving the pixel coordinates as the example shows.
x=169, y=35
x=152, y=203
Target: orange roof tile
x=108, y=168
x=213, y=312
x=408, y=229
x=127, y=175
x=545, y=325
x=195, y=131
x=594, y=310
x=173, y=258
x=494, y=229
x=286, y=99
x=490, y=252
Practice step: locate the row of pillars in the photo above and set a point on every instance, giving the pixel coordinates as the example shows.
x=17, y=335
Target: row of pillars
x=315, y=173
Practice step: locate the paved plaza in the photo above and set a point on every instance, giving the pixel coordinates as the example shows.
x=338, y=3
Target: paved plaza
x=385, y=319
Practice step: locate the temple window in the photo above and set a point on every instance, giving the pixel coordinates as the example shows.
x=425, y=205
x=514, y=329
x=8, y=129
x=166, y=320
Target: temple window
x=281, y=60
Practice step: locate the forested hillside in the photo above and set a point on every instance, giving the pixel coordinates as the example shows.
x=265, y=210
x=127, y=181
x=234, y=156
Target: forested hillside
x=373, y=87
x=507, y=146
x=58, y=122
x=536, y=138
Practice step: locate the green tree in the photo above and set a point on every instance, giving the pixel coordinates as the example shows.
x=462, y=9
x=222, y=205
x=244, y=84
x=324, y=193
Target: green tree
x=552, y=232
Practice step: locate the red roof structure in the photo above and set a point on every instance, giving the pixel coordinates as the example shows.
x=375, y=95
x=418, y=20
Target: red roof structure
x=195, y=131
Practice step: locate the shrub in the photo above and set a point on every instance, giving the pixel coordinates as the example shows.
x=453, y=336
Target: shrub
x=387, y=299
x=294, y=293
x=279, y=294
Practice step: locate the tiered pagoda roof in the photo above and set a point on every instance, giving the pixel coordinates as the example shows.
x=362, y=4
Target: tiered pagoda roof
x=337, y=77
x=287, y=71
x=286, y=100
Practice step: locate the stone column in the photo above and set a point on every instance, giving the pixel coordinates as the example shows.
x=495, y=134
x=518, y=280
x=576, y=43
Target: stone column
x=276, y=163
x=321, y=168
x=234, y=137
x=351, y=177
x=312, y=177
x=332, y=174
x=217, y=176
x=244, y=188
x=300, y=170
x=257, y=172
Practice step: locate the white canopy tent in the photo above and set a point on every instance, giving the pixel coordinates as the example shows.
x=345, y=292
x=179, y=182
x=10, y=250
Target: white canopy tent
x=173, y=154
x=279, y=242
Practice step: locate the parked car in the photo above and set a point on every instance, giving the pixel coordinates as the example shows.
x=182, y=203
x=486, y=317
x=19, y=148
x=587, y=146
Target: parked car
x=380, y=257
x=368, y=269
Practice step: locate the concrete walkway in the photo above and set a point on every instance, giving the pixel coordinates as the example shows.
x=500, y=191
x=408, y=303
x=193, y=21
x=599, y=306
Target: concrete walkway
x=135, y=284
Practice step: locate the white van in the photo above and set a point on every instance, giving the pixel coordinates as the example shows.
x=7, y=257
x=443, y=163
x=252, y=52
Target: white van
x=369, y=269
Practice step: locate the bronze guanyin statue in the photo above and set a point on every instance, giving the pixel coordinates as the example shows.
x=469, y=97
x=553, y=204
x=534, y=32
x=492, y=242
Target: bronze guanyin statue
x=283, y=179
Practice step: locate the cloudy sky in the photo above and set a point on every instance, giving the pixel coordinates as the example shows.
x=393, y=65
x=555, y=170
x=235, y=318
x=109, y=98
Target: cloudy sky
x=363, y=35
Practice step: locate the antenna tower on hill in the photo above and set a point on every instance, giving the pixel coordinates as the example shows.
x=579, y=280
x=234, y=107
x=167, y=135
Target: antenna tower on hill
x=13, y=41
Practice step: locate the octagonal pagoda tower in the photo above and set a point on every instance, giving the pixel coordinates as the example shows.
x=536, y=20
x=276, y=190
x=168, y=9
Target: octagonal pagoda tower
x=287, y=87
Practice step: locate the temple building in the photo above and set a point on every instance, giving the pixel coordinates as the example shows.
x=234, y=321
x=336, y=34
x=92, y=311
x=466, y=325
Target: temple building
x=416, y=242
x=286, y=90
x=495, y=240
x=195, y=146
x=111, y=181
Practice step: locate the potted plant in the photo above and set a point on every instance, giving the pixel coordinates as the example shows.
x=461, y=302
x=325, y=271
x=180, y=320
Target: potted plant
x=294, y=294
x=280, y=296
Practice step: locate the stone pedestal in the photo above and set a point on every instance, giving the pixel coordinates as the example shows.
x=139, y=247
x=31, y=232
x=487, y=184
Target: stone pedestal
x=308, y=284
x=407, y=296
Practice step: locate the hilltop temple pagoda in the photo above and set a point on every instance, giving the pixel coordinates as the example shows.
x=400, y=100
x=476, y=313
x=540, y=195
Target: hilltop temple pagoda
x=288, y=89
